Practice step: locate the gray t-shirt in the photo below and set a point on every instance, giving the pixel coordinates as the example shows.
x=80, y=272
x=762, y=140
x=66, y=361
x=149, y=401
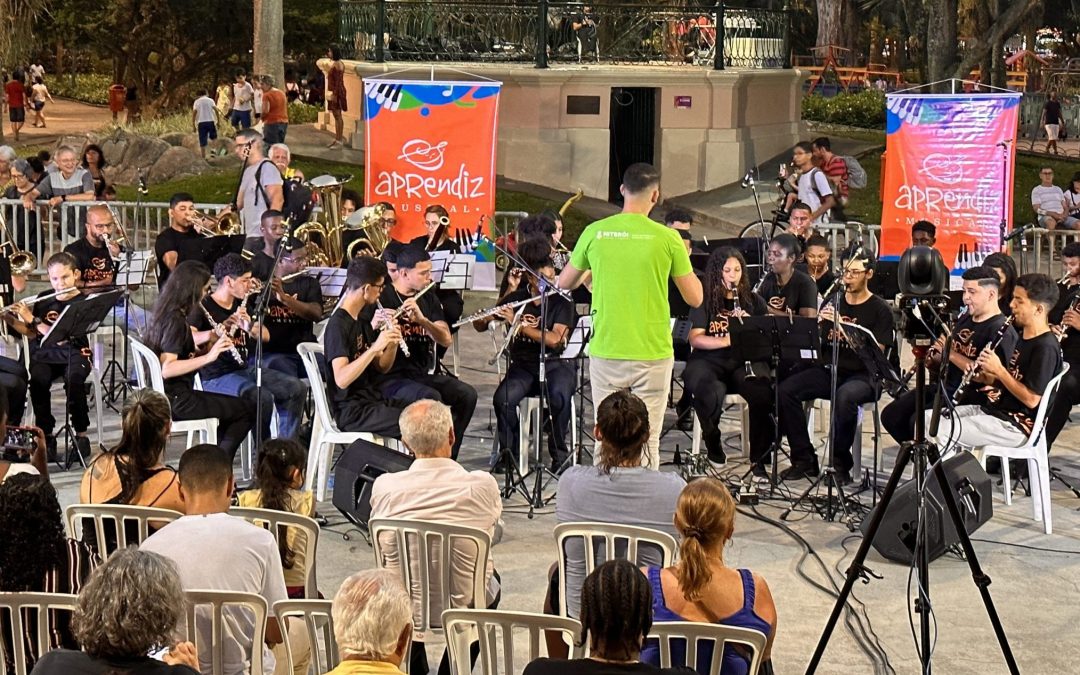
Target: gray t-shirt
x=627, y=496
x=255, y=195
x=219, y=552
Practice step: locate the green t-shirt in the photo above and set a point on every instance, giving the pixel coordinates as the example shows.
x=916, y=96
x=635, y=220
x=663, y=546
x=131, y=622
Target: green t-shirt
x=631, y=258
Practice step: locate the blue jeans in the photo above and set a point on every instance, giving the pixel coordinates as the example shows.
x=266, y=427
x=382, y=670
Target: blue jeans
x=287, y=393
x=241, y=119
x=274, y=133
x=133, y=315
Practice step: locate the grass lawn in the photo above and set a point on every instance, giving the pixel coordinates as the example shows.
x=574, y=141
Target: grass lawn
x=218, y=187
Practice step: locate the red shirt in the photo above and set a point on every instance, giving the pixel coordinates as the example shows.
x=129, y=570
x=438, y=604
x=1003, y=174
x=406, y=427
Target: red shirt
x=837, y=168
x=274, y=107
x=16, y=94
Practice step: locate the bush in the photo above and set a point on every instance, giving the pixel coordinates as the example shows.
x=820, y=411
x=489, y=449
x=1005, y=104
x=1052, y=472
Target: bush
x=302, y=113
x=88, y=87
x=865, y=109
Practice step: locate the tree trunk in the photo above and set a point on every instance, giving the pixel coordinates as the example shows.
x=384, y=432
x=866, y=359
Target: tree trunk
x=830, y=26
x=1001, y=29
x=941, y=41
x=269, y=40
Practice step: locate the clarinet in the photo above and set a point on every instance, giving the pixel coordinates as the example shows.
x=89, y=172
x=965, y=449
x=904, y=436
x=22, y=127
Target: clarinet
x=974, y=368
x=223, y=335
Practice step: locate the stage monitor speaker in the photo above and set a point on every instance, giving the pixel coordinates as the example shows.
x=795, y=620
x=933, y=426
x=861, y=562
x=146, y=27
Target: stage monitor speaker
x=357, y=469
x=971, y=488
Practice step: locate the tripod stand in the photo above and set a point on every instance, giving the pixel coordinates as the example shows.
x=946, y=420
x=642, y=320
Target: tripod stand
x=923, y=453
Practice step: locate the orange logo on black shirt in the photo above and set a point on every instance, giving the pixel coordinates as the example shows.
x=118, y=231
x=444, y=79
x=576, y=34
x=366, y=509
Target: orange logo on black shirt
x=51, y=316
x=778, y=302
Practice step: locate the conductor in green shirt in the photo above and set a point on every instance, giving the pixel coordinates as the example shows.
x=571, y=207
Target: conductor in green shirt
x=631, y=258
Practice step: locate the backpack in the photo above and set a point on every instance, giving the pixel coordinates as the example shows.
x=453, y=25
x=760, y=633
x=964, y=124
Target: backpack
x=296, y=197
x=856, y=174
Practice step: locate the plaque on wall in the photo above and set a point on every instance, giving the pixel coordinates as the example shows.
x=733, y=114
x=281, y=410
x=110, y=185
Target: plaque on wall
x=582, y=105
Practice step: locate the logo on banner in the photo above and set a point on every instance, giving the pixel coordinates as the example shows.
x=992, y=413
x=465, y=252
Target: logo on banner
x=943, y=168
x=423, y=155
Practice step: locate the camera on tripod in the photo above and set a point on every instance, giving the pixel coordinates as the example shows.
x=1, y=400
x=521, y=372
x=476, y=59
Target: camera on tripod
x=922, y=276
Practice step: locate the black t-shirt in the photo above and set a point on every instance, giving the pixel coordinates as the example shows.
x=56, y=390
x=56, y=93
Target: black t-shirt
x=94, y=262
x=526, y=352
x=823, y=282
x=173, y=240
x=447, y=245
x=7, y=291
x=798, y=293
x=49, y=311
x=717, y=324
x=71, y=662
x=176, y=338
x=421, y=346
x=969, y=338
x=226, y=362
x=546, y=666
x=261, y=264
x=874, y=315
x=1052, y=111
x=1070, y=345
x=347, y=337
x=286, y=328
x=1034, y=363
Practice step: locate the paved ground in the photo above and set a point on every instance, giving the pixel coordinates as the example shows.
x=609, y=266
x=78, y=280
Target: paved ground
x=64, y=117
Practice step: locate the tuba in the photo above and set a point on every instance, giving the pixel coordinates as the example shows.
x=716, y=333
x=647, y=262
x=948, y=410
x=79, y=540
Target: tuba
x=322, y=233
x=22, y=262
x=367, y=219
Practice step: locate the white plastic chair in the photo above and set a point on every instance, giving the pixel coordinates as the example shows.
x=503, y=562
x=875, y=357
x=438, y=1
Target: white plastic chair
x=118, y=516
x=691, y=633
x=221, y=602
x=319, y=623
x=278, y=523
x=148, y=374
x=614, y=537
x=744, y=430
x=1035, y=452
x=494, y=629
x=529, y=424
x=423, y=551
x=324, y=431
x=12, y=606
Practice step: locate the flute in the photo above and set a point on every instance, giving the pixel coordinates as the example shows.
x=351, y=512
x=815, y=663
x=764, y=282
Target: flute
x=223, y=334
x=397, y=315
x=492, y=311
x=973, y=369
x=29, y=302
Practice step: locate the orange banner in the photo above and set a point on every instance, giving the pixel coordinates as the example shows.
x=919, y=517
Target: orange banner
x=431, y=143
x=951, y=162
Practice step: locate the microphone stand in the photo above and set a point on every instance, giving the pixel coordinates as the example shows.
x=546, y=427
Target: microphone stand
x=750, y=182
x=261, y=305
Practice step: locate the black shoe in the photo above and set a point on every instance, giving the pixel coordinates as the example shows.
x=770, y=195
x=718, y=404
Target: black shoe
x=842, y=477
x=800, y=470
x=714, y=444
x=685, y=421
x=761, y=474
x=50, y=447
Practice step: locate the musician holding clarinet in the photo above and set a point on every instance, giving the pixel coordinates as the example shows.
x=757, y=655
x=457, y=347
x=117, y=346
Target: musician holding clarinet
x=295, y=306
x=422, y=326
x=1065, y=320
x=1018, y=383
x=979, y=325
x=787, y=290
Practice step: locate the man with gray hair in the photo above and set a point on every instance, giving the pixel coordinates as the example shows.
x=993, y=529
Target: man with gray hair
x=436, y=488
x=261, y=184
x=69, y=183
x=372, y=624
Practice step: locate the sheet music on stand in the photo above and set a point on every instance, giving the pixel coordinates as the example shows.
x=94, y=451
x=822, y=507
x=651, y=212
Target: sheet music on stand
x=578, y=340
x=440, y=260
x=131, y=269
x=458, y=273
x=331, y=279
x=81, y=318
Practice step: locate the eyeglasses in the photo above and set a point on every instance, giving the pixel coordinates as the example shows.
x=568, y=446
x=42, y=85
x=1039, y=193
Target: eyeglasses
x=389, y=221
x=1046, y=173
x=16, y=174
x=852, y=273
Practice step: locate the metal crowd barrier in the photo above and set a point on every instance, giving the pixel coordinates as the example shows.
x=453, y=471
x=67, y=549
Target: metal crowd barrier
x=1029, y=252
x=841, y=235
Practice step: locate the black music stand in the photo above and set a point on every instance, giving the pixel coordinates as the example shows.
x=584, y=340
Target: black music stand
x=130, y=271
x=78, y=319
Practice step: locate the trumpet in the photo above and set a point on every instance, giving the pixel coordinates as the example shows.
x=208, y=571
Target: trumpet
x=223, y=334
x=29, y=302
x=973, y=369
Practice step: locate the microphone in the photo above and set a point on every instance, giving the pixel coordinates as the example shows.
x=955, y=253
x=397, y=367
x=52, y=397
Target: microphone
x=141, y=174
x=1018, y=232
x=748, y=178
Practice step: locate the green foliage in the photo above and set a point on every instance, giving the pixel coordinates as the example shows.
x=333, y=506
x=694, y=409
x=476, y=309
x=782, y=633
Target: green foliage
x=87, y=88
x=310, y=27
x=302, y=113
x=865, y=109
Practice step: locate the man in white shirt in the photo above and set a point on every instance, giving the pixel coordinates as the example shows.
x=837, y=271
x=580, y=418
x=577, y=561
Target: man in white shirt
x=204, y=117
x=242, y=95
x=261, y=185
x=814, y=188
x=437, y=488
x=215, y=551
x=1048, y=200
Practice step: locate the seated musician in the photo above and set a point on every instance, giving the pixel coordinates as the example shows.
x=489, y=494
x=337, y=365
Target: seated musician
x=1018, y=383
x=560, y=255
x=264, y=249
x=818, y=258
x=225, y=310
x=787, y=290
x=854, y=386
x=800, y=223
x=976, y=329
x=1065, y=319
x=177, y=242
x=389, y=258
x=422, y=323
x=293, y=310
x=1005, y=267
x=357, y=354
x=523, y=376
x=350, y=202
x=13, y=375
x=97, y=257
x=69, y=359
x=183, y=351
x=923, y=233
x=437, y=224
x=711, y=369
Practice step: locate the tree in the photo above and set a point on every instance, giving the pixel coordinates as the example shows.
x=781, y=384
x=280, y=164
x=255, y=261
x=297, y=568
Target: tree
x=269, y=40
x=1003, y=26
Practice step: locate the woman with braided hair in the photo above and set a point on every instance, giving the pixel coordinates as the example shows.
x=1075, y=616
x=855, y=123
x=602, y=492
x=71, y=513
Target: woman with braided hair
x=700, y=587
x=616, y=615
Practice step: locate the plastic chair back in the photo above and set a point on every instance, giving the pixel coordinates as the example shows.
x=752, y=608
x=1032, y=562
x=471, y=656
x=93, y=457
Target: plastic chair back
x=495, y=630
x=279, y=522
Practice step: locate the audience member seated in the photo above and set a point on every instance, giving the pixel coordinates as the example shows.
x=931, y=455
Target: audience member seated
x=279, y=476
x=130, y=608
x=616, y=615
x=372, y=624
x=215, y=551
x=31, y=461
x=436, y=488
x=37, y=556
x=701, y=588
x=134, y=471
x=617, y=490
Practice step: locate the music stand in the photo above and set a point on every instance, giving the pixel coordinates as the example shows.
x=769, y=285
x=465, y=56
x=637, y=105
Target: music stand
x=577, y=346
x=78, y=319
x=331, y=281
x=440, y=260
x=131, y=271
x=457, y=275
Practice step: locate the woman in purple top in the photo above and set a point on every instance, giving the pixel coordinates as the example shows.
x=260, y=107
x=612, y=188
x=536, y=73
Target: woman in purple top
x=701, y=587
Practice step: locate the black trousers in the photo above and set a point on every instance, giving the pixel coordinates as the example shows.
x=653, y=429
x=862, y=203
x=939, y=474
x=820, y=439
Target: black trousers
x=235, y=417
x=521, y=382
x=14, y=379
x=1068, y=395
x=374, y=417
x=453, y=307
x=460, y=397
x=898, y=417
x=43, y=372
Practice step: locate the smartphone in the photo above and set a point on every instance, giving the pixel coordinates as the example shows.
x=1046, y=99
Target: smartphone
x=19, y=444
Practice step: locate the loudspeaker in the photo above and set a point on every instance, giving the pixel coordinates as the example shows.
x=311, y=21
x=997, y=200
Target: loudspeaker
x=970, y=487
x=357, y=469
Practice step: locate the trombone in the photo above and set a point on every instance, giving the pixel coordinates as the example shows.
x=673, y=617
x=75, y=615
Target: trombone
x=225, y=225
